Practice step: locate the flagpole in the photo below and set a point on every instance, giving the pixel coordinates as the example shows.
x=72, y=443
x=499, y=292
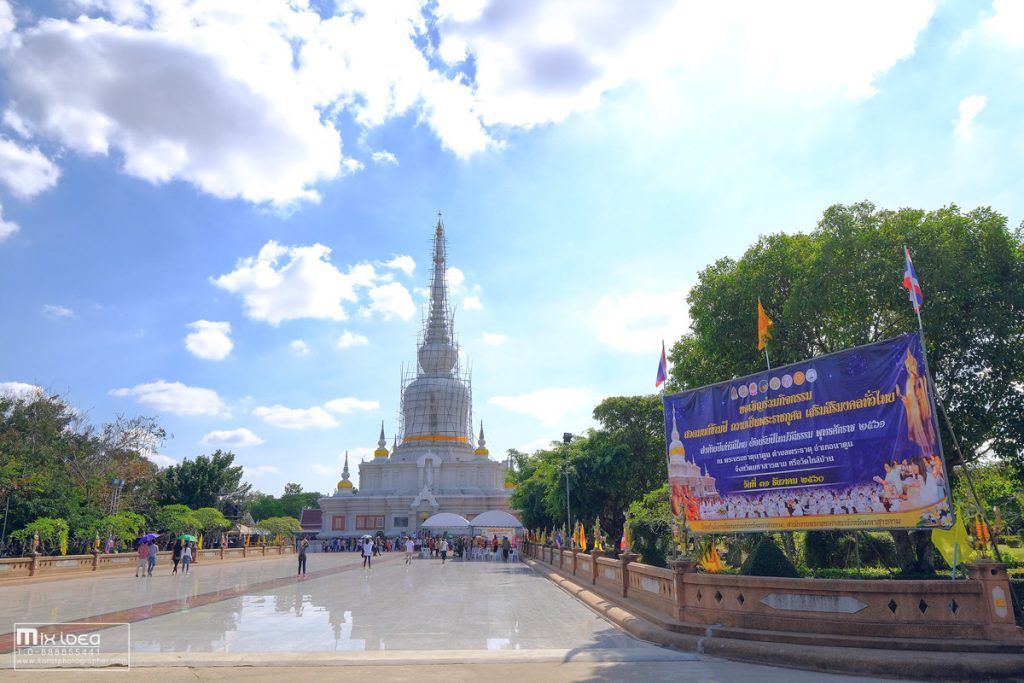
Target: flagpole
x=766, y=357
x=936, y=406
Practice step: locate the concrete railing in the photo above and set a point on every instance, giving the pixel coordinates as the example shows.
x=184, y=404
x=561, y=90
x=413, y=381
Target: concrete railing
x=53, y=565
x=975, y=609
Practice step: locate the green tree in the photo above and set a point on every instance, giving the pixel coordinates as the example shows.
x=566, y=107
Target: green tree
x=608, y=468
x=650, y=527
x=264, y=505
x=54, y=464
x=211, y=521
x=841, y=285
x=52, y=533
x=207, y=481
x=283, y=526
x=177, y=519
x=125, y=527
x=294, y=500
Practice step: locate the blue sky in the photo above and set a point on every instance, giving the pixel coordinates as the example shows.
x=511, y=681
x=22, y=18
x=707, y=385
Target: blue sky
x=219, y=213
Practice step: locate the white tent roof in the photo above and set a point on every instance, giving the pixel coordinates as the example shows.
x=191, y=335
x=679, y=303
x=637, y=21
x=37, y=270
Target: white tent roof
x=496, y=518
x=446, y=520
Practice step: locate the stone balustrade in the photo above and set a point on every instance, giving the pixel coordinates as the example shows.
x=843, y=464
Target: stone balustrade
x=54, y=565
x=977, y=609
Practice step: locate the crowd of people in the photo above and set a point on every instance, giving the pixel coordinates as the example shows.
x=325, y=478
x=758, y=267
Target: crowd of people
x=146, y=556
x=436, y=546
x=907, y=485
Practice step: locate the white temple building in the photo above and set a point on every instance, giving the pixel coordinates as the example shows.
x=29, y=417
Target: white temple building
x=434, y=465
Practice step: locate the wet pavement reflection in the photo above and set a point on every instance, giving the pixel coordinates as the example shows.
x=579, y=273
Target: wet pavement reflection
x=422, y=606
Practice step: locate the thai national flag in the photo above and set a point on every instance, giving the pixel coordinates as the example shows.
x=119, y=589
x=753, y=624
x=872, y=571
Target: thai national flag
x=911, y=283
x=110, y=541
x=662, y=368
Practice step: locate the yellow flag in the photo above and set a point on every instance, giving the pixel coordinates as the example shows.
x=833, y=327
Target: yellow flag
x=763, y=323
x=945, y=541
x=583, y=537
x=200, y=546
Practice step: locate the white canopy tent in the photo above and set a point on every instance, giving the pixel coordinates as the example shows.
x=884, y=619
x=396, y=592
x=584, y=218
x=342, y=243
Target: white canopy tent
x=446, y=520
x=496, y=519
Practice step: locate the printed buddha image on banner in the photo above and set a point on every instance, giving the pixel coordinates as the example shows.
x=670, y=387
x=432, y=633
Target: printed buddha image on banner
x=843, y=441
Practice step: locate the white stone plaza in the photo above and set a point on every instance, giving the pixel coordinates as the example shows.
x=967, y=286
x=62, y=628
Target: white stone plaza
x=427, y=621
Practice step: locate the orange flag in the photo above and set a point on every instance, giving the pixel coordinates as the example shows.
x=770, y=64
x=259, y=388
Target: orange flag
x=763, y=323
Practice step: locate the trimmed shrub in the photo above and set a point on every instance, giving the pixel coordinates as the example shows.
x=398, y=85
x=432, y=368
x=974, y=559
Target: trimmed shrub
x=767, y=559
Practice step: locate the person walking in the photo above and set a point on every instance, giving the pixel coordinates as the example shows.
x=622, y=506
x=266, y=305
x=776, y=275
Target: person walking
x=302, y=557
x=176, y=555
x=367, y=552
x=186, y=558
x=142, y=559
x=444, y=550
x=153, y=550
x=505, y=547
x=408, y=550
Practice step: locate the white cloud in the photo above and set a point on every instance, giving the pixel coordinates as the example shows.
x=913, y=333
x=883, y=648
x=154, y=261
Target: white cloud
x=210, y=340
x=638, y=321
x=536, y=445
x=348, y=405
x=257, y=470
x=295, y=418
x=349, y=339
x=175, y=397
x=455, y=278
x=232, y=438
x=7, y=228
x=384, y=158
x=287, y=283
x=1007, y=22
x=401, y=262
x=6, y=23
x=554, y=406
x=969, y=108
x=57, y=312
x=201, y=93
x=299, y=347
x=392, y=299
x=242, y=100
x=25, y=172
x=160, y=460
x=472, y=303
x=494, y=338
x=20, y=390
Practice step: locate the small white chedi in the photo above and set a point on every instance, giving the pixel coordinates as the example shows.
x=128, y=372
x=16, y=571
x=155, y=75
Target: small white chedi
x=433, y=465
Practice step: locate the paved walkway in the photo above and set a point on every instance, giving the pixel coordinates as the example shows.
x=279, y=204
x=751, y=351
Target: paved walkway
x=386, y=623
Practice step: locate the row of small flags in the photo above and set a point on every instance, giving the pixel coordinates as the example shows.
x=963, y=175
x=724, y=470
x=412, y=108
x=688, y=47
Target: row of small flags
x=764, y=323
x=579, y=537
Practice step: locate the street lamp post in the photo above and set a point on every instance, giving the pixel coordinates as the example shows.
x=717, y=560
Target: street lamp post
x=115, y=498
x=566, y=438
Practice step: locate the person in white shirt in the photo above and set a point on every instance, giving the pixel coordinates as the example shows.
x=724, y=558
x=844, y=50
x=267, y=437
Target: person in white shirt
x=408, y=550
x=367, y=552
x=444, y=550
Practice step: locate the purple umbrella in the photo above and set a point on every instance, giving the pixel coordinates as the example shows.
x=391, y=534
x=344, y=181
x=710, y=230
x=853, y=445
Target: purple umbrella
x=148, y=537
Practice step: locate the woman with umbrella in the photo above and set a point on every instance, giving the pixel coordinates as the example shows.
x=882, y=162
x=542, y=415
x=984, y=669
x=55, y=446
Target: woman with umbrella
x=142, y=559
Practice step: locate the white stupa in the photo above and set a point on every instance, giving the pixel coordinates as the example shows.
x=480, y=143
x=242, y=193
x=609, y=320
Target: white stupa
x=433, y=465
x=682, y=471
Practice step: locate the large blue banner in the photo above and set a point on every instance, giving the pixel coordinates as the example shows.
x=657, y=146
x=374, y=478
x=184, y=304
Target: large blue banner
x=843, y=441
